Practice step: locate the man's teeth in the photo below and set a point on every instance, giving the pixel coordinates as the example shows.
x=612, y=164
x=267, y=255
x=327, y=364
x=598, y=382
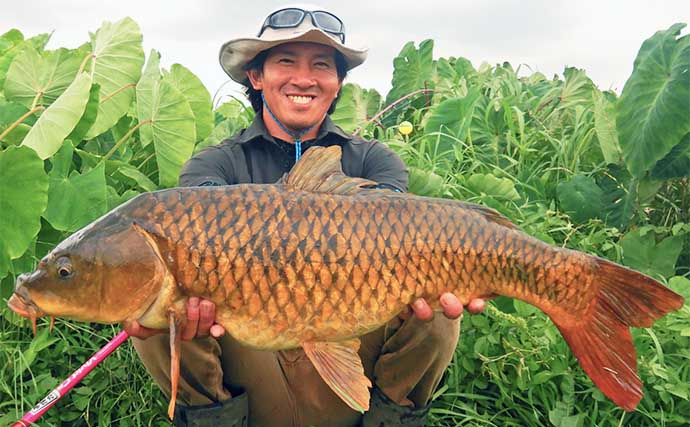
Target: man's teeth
x=300, y=99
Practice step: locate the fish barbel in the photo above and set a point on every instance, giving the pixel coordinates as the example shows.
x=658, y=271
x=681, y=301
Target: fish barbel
x=318, y=260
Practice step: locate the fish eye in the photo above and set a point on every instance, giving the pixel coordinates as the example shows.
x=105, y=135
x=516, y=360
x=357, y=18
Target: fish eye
x=64, y=269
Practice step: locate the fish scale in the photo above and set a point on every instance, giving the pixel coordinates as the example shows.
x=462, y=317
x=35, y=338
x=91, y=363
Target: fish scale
x=322, y=265
x=319, y=260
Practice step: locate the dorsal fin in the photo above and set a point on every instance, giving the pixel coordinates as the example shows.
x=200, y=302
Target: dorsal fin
x=319, y=170
x=490, y=214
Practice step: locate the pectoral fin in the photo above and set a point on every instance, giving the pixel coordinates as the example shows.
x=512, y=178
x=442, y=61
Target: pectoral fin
x=341, y=368
x=175, y=346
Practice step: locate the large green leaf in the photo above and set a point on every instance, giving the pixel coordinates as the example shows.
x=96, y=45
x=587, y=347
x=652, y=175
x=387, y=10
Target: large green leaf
x=171, y=126
x=89, y=117
x=425, y=183
x=58, y=120
x=23, y=198
x=605, y=126
x=146, y=92
x=39, y=78
x=355, y=107
x=642, y=252
x=412, y=69
x=449, y=121
x=117, y=60
x=490, y=185
x=676, y=164
x=581, y=198
x=654, y=108
x=14, y=45
x=196, y=94
x=74, y=199
x=10, y=112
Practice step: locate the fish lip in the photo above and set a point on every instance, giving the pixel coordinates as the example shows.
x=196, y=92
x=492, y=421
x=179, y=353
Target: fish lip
x=24, y=308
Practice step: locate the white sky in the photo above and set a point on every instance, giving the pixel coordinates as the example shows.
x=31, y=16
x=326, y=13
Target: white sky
x=601, y=36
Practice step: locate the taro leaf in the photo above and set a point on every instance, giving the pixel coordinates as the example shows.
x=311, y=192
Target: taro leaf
x=39, y=78
x=196, y=94
x=581, y=198
x=149, y=82
x=620, y=196
x=10, y=112
x=23, y=198
x=413, y=69
x=74, y=200
x=681, y=286
x=14, y=38
x=58, y=120
x=654, y=108
x=230, y=109
x=449, y=122
x=492, y=186
x=425, y=183
x=642, y=252
x=676, y=164
x=167, y=120
x=222, y=131
x=605, y=126
x=577, y=89
x=355, y=106
x=89, y=117
x=141, y=180
x=115, y=200
x=118, y=58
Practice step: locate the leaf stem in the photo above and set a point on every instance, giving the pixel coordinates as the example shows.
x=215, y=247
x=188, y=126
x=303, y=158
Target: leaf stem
x=84, y=62
x=124, y=139
x=36, y=99
x=391, y=106
x=20, y=120
x=128, y=85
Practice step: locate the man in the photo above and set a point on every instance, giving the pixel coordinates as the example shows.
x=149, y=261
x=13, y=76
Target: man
x=293, y=71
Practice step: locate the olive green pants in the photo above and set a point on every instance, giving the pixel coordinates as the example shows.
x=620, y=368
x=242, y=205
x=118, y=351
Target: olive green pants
x=404, y=359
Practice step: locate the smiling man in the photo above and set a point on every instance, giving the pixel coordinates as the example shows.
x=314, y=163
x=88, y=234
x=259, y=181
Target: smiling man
x=293, y=71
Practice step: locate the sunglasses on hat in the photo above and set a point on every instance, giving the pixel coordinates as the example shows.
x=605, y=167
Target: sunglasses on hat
x=292, y=17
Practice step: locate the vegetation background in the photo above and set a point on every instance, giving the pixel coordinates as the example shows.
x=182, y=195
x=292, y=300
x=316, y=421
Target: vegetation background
x=83, y=130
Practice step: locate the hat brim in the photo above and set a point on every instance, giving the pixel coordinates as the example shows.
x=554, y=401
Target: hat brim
x=236, y=54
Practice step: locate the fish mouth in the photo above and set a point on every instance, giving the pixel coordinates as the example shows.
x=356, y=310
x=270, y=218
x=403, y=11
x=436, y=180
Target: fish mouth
x=27, y=309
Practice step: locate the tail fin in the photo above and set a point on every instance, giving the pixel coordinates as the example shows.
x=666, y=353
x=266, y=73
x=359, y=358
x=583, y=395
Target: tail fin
x=602, y=342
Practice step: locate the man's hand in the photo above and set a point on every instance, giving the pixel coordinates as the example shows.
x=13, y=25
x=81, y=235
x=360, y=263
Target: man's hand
x=200, y=322
x=452, y=308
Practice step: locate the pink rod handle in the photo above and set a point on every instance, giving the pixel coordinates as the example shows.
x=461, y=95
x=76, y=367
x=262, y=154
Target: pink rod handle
x=67, y=385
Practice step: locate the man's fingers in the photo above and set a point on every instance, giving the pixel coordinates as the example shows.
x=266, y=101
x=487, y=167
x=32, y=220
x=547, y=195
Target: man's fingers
x=452, y=307
x=207, y=316
x=134, y=329
x=476, y=306
x=190, y=328
x=422, y=310
x=217, y=331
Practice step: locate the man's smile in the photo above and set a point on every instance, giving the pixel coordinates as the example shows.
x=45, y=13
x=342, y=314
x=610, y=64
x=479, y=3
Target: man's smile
x=301, y=99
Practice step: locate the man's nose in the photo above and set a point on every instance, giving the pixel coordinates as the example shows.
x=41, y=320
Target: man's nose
x=303, y=76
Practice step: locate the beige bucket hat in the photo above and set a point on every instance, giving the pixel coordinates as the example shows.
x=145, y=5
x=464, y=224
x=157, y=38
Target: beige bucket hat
x=237, y=53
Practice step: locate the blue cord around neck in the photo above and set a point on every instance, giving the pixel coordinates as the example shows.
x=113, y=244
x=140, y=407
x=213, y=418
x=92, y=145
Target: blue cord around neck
x=297, y=136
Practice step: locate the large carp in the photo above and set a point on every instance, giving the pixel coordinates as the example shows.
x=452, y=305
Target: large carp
x=319, y=260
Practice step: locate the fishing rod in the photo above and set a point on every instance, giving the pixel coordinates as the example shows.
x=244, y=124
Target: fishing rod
x=67, y=385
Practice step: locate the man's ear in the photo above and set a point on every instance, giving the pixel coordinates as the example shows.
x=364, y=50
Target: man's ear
x=255, y=78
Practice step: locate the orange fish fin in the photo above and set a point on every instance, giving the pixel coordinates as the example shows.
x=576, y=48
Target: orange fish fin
x=602, y=342
x=490, y=214
x=175, y=347
x=319, y=170
x=341, y=368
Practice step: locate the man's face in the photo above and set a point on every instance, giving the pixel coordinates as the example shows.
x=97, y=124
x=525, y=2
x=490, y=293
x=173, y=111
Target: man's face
x=299, y=82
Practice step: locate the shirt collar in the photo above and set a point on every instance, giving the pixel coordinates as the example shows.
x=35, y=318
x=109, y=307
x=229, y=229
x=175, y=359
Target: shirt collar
x=258, y=130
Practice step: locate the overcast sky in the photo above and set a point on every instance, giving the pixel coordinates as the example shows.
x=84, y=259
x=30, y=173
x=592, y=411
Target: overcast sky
x=601, y=36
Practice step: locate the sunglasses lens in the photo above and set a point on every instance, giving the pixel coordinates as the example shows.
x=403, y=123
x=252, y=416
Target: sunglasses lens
x=287, y=18
x=328, y=22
